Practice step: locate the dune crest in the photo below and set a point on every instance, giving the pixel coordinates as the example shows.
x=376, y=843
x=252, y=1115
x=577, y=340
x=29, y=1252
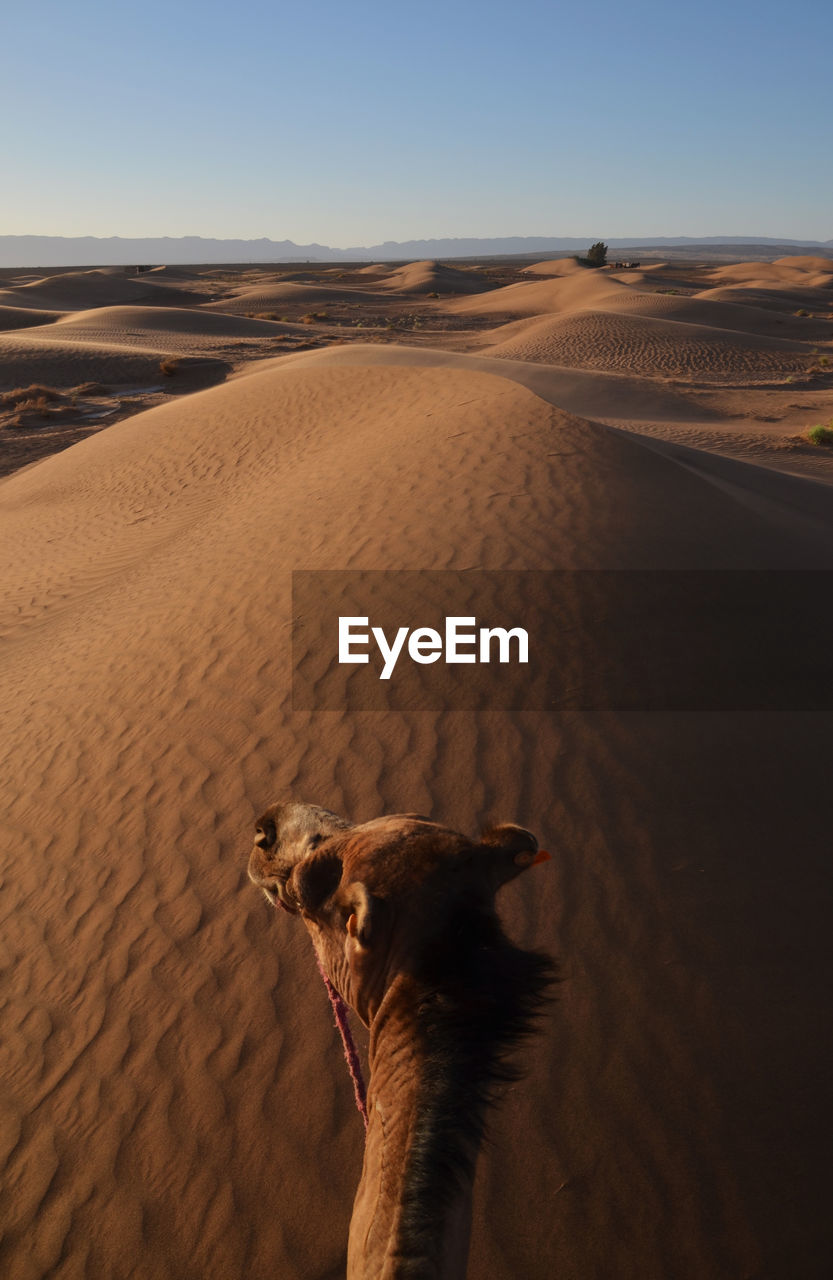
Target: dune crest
x=435, y=277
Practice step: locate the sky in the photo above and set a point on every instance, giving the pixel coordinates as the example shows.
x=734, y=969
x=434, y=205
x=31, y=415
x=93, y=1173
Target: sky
x=348, y=124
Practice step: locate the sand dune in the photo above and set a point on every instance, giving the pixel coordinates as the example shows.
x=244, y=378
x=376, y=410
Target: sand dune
x=26, y=359
x=810, y=273
x=172, y=273
x=540, y=297
x=648, y=346
x=175, y=1102
x=582, y=392
x=201, y=323
x=435, y=277
x=661, y=275
x=807, y=262
x=556, y=267
x=24, y=317
x=269, y=297
x=788, y=299
x=713, y=313
x=173, y=329
x=16, y=299
x=74, y=290
x=721, y=419
x=81, y=290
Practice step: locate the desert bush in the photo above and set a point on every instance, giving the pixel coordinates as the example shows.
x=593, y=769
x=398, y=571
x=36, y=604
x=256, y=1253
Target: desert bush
x=33, y=396
x=33, y=413
x=170, y=366
x=596, y=255
x=821, y=435
x=38, y=404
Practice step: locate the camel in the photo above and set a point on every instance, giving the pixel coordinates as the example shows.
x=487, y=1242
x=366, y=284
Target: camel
x=401, y=915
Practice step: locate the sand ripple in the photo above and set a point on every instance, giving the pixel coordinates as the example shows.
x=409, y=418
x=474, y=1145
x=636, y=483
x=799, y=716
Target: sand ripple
x=650, y=346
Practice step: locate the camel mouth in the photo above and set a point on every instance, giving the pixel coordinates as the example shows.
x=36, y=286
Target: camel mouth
x=272, y=888
x=275, y=893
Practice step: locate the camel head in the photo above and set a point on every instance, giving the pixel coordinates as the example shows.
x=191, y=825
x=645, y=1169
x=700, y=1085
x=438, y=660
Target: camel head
x=397, y=895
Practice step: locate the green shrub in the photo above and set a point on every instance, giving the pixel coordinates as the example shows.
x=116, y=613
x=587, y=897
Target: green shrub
x=821, y=435
x=596, y=256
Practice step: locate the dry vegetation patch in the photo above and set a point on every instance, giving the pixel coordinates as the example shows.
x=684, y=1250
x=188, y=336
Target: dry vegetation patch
x=27, y=406
x=34, y=396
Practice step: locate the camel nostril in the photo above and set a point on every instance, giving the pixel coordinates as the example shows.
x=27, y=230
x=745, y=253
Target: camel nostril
x=265, y=834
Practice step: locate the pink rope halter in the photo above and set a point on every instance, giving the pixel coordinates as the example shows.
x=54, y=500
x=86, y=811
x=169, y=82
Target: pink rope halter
x=350, y=1052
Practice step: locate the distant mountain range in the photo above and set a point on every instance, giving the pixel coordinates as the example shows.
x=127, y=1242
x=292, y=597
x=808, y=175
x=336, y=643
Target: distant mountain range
x=92, y=251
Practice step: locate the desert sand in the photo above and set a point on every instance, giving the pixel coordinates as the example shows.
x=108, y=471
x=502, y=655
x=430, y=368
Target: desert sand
x=174, y=1099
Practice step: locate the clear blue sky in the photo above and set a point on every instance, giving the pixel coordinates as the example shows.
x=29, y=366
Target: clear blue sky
x=353, y=123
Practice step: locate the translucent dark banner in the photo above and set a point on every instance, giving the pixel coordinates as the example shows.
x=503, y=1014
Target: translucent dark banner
x=366, y=640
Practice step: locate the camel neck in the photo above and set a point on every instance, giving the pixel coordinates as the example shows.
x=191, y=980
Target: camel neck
x=438, y=1049
x=412, y=1214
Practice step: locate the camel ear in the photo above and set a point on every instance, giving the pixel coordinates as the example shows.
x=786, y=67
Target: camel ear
x=365, y=914
x=513, y=849
x=510, y=837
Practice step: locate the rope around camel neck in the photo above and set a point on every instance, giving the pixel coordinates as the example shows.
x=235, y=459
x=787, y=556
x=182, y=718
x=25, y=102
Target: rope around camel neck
x=350, y=1052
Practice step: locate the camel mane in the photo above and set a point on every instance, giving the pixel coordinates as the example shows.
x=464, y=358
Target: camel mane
x=479, y=996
